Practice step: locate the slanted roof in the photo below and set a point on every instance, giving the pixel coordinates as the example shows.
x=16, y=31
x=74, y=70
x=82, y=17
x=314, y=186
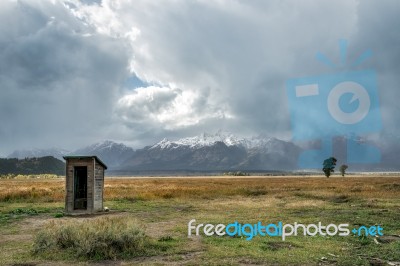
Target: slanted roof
x=86, y=157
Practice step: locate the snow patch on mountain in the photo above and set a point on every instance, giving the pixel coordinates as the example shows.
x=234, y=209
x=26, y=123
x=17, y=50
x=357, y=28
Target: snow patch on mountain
x=206, y=140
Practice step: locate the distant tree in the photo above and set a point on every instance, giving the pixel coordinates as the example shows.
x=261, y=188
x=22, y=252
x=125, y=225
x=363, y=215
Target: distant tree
x=343, y=169
x=329, y=166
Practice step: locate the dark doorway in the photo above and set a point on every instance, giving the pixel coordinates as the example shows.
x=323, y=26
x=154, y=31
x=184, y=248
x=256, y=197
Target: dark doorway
x=80, y=187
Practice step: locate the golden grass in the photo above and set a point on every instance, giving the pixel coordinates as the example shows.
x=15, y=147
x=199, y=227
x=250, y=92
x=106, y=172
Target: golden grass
x=312, y=189
x=316, y=188
x=32, y=190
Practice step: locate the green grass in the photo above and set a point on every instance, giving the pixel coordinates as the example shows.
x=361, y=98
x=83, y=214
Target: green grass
x=10, y=213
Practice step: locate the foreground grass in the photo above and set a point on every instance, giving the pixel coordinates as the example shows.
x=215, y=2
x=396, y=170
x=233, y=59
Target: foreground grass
x=100, y=238
x=165, y=206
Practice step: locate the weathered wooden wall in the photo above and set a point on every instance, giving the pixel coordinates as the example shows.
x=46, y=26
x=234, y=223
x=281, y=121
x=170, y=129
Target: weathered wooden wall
x=95, y=185
x=98, y=187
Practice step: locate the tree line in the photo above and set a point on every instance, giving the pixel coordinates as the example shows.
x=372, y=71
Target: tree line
x=31, y=166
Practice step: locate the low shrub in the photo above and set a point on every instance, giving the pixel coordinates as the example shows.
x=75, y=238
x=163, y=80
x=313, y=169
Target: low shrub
x=98, y=238
x=29, y=211
x=59, y=215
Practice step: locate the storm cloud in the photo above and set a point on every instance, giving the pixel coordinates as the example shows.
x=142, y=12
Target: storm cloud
x=76, y=72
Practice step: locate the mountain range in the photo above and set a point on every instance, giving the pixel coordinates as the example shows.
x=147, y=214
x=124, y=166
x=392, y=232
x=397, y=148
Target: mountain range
x=206, y=152
x=210, y=152
x=219, y=151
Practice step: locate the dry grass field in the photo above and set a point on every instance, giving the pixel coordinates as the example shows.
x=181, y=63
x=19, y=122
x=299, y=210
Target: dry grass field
x=164, y=206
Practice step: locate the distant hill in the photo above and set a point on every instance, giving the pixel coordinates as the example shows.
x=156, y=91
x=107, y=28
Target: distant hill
x=30, y=166
x=111, y=153
x=36, y=153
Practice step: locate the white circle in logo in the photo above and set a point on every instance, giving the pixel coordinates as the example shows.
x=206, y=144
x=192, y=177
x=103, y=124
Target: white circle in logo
x=359, y=93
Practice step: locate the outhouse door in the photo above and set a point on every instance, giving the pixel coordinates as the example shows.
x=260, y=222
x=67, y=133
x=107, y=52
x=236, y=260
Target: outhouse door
x=80, y=187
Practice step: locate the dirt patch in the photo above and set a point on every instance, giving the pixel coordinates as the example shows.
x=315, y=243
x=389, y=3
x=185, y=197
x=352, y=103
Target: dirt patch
x=179, y=259
x=16, y=238
x=388, y=239
x=160, y=229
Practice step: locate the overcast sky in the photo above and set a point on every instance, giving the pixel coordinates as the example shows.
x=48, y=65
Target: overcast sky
x=76, y=72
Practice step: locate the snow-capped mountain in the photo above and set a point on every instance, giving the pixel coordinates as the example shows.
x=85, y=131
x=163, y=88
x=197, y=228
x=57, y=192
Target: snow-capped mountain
x=203, y=140
x=220, y=151
x=111, y=153
x=229, y=139
x=55, y=152
x=205, y=152
x=210, y=152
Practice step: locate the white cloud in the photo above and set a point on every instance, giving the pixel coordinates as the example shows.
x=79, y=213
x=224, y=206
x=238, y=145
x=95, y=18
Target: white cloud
x=165, y=107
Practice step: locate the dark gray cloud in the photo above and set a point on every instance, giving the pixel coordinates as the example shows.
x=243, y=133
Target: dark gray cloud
x=58, y=80
x=377, y=31
x=204, y=65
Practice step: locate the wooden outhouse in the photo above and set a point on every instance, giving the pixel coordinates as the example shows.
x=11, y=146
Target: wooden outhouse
x=84, y=184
